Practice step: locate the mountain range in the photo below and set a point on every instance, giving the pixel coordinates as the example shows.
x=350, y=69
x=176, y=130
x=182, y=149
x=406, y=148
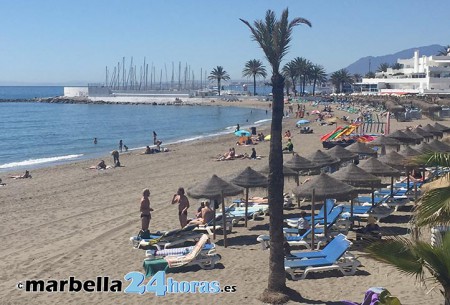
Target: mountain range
x=361, y=66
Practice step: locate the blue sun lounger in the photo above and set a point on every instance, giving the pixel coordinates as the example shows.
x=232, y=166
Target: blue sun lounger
x=293, y=222
x=334, y=260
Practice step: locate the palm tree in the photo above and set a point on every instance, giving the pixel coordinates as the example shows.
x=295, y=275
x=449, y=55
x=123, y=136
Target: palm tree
x=318, y=74
x=383, y=67
x=274, y=37
x=370, y=75
x=341, y=78
x=302, y=65
x=397, y=66
x=218, y=74
x=357, y=77
x=290, y=72
x=414, y=257
x=254, y=68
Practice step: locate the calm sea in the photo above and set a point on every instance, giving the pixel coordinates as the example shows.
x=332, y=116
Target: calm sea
x=36, y=134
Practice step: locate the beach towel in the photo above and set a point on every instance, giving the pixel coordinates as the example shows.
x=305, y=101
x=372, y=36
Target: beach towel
x=376, y=296
x=151, y=267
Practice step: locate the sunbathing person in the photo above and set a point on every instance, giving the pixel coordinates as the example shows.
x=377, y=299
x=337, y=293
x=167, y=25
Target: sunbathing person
x=206, y=216
x=24, y=176
x=2, y=183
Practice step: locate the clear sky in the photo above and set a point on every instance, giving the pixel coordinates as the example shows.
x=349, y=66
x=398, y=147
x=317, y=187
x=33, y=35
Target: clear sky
x=66, y=41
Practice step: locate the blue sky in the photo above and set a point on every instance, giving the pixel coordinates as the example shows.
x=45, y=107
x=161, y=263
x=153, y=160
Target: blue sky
x=61, y=42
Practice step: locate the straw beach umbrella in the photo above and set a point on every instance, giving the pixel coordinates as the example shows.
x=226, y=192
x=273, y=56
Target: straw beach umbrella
x=357, y=177
x=427, y=135
x=377, y=168
x=247, y=179
x=287, y=172
x=425, y=148
x=298, y=164
x=439, y=146
x=322, y=159
x=414, y=135
x=436, y=132
x=322, y=187
x=383, y=141
x=393, y=159
x=339, y=152
x=402, y=137
x=361, y=149
x=215, y=188
x=441, y=127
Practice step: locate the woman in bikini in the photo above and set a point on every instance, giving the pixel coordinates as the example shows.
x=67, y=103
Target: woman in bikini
x=145, y=210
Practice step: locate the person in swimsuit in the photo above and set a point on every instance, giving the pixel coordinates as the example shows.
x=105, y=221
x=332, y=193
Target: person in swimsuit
x=206, y=216
x=145, y=210
x=183, y=206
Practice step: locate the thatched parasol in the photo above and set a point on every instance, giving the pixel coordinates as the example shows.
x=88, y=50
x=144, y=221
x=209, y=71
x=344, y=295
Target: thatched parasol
x=287, y=172
x=378, y=168
x=436, y=132
x=322, y=159
x=393, y=159
x=424, y=148
x=339, y=152
x=383, y=140
x=407, y=151
x=402, y=137
x=355, y=176
x=215, y=188
x=441, y=127
x=414, y=135
x=439, y=146
x=247, y=179
x=361, y=149
x=324, y=186
x=427, y=135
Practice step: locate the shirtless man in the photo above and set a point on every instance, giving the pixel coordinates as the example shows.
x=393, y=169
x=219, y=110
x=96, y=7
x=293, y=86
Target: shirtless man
x=206, y=217
x=145, y=210
x=183, y=206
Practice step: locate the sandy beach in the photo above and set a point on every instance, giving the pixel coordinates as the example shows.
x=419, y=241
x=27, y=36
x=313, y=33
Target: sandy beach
x=72, y=221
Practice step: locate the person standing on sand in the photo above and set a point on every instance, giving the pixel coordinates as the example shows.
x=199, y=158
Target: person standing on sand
x=120, y=145
x=183, y=206
x=115, y=155
x=145, y=210
x=95, y=140
x=154, y=137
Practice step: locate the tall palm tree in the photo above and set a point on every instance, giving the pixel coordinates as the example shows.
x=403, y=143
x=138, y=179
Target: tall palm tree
x=357, y=77
x=274, y=37
x=218, y=74
x=383, y=67
x=254, y=68
x=341, y=78
x=414, y=256
x=318, y=74
x=370, y=75
x=290, y=72
x=302, y=66
x=397, y=66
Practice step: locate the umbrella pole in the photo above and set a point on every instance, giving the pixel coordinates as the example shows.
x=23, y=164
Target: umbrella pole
x=407, y=179
x=246, y=206
x=297, y=179
x=392, y=186
x=214, y=219
x=351, y=214
x=325, y=216
x=373, y=197
x=313, y=212
x=224, y=222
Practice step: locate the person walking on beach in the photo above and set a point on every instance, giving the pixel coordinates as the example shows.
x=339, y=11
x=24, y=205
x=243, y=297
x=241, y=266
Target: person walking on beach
x=95, y=140
x=154, y=137
x=183, y=205
x=115, y=155
x=145, y=210
x=120, y=145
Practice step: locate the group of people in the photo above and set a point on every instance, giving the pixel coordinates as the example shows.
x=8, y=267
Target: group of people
x=203, y=216
x=231, y=155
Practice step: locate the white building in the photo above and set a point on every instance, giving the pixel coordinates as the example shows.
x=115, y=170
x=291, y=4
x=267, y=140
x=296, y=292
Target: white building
x=417, y=75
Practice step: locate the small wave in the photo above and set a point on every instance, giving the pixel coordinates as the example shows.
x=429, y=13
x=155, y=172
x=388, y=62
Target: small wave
x=262, y=121
x=38, y=161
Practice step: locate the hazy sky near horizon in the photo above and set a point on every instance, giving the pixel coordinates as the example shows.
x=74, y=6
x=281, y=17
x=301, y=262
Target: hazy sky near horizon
x=61, y=42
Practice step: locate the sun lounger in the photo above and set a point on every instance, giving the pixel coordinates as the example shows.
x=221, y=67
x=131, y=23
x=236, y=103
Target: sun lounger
x=335, y=259
x=194, y=257
x=331, y=246
x=167, y=239
x=293, y=222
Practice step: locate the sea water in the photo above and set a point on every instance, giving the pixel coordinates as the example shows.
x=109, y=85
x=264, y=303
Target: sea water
x=40, y=134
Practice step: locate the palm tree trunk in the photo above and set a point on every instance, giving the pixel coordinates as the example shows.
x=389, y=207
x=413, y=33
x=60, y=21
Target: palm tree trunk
x=218, y=85
x=254, y=84
x=447, y=295
x=277, y=277
x=314, y=88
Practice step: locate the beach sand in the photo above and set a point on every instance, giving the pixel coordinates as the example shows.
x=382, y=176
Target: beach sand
x=71, y=221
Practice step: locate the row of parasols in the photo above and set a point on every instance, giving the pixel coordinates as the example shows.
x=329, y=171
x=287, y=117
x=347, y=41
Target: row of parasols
x=343, y=184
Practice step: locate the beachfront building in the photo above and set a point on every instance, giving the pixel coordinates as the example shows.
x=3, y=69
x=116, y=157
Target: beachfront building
x=417, y=75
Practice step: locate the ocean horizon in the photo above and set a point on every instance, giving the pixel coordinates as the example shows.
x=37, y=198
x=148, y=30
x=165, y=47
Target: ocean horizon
x=40, y=134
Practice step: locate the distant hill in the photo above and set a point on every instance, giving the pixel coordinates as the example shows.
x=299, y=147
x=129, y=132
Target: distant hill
x=361, y=66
